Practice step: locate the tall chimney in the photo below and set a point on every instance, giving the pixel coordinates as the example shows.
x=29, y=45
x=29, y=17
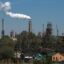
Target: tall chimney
x=2, y=27
x=57, y=30
x=30, y=26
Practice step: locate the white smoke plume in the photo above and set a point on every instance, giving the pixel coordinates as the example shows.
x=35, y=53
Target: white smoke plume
x=17, y=15
x=7, y=7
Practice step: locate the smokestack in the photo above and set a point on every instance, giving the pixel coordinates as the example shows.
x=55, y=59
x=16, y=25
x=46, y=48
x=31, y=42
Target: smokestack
x=43, y=29
x=2, y=27
x=30, y=26
x=57, y=30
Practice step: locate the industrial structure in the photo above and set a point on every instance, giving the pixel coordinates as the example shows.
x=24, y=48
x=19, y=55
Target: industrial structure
x=2, y=33
x=30, y=26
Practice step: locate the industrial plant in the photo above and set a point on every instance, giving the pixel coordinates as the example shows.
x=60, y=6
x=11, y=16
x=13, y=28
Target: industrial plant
x=39, y=41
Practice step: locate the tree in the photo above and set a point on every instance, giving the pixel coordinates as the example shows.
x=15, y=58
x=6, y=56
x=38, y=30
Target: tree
x=7, y=47
x=27, y=41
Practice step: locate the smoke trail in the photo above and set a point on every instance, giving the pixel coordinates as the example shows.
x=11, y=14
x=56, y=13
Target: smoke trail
x=17, y=15
x=7, y=7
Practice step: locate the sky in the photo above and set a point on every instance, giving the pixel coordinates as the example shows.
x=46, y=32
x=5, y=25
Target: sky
x=41, y=12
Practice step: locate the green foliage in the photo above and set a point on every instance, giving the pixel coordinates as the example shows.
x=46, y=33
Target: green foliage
x=7, y=52
x=7, y=41
x=37, y=62
x=7, y=47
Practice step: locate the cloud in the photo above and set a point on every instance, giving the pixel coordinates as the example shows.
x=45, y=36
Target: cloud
x=5, y=6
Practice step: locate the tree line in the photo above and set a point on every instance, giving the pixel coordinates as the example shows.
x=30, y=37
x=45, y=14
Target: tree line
x=30, y=43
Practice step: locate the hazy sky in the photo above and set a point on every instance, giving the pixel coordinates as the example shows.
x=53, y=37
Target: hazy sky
x=41, y=12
